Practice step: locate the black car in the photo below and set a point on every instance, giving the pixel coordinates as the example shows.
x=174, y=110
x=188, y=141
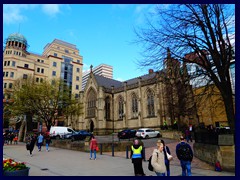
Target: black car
x=80, y=135
x=126, y=134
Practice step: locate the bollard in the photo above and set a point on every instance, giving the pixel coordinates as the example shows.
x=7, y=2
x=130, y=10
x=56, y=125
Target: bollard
x=112, y=149
x=101, y=149
x=127, y=152
x=144, y=157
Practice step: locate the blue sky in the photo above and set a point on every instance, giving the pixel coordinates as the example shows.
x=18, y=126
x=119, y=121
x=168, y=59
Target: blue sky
x=103, y=33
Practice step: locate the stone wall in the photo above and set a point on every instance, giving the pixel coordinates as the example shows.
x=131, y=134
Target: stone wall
x=224, y=152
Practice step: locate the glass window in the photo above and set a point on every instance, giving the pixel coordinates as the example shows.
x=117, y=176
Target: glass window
x=3, y=74
x=13, y=63
x=66, y=51
x=6, y=74
x=77, y=87
x=5, y=85
x=54, y=64
x=120, y=107
x=78, y=61
x=10, y=85
x=5, y=63
x=37, y=79
x=150, y=103
x=134, y=106
x=77, y=78
x=91, y=104
x=107, y=108
x=42, y=70
x=78, y=70
x=26, y=65
x=55, y=54
x=12, y=74
x=38, y=69
x=8, y=63
x=25, y=76
x=54, y=73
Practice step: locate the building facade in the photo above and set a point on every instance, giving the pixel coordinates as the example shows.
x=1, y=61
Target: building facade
x=146, y=101
x=101, y=70
x=59, y=60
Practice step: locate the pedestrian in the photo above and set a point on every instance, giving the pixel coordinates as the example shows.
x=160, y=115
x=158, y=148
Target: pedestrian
x=93, y=147
x=137, y=158
x=40, y=141
x=48, y=141
x=185, y=155
x=167, y=162
x=31, y=140
x=187, y=134
x=15, y=139
x=158, y=161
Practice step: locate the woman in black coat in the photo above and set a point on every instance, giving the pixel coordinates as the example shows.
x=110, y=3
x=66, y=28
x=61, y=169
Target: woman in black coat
x=30, y=144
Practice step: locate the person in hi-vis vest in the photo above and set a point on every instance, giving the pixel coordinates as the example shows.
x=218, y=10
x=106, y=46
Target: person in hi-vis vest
x=137, y=158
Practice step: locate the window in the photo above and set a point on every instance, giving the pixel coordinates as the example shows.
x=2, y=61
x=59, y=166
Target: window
x=150, y=103
x=5, y=85
x=3, y=74
x=66, y=51
x=25, y=76
x=55, y=54
x=5, y=63
x=107, y=108
x=134, y=106
x=120, y=107
x=8, y=63
x=54, y=73
x=42, y=61
x=42, y=70
x=6, y=74
x=10, y=85
x=41, y=80
x=38, y=60
x=38, y=69
x=13, y=63
x=26, y=65
x=76, y=96
x=12, y=74
x=78, y=70
x=77, y=78
x=91, y=104
x=54, y=64
x=37, y=79
x=77, y=87
x=78, y=61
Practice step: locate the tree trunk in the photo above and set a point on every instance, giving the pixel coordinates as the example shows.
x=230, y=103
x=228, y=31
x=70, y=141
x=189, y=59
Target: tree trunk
x=21, y=129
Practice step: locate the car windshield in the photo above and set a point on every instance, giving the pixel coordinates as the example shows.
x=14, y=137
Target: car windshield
x=140, y=130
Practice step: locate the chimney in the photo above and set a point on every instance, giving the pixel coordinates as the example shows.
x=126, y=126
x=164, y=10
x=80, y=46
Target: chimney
x=150, y=71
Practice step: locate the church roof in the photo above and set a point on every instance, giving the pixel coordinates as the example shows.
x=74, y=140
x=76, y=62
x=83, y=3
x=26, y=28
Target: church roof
x=108, y=83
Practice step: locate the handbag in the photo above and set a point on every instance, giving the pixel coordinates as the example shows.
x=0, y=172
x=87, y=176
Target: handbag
x=97, y=148
x=169, y=156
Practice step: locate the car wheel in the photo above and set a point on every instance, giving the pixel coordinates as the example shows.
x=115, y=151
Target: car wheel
x=146, y=137
x=158, y=135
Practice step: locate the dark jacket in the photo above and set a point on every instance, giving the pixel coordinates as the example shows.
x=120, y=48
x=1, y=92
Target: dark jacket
x=181, y=155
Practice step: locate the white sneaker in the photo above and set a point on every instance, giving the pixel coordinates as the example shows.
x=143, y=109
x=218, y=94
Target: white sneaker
x=31, y=155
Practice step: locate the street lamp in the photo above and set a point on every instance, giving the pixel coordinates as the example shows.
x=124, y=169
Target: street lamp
x=112, y=120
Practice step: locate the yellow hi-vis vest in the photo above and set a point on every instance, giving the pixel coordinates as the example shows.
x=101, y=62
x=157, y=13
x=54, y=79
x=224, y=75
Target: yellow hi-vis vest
x=137, y=152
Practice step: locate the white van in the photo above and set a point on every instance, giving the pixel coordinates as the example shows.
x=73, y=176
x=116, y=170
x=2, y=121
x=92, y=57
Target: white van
x=59, y=131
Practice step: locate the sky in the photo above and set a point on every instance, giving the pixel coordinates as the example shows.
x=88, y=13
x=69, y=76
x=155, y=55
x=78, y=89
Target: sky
x=103, y=33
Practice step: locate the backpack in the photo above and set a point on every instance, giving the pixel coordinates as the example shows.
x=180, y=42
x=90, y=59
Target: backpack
x=150, y=167
x=184, y=152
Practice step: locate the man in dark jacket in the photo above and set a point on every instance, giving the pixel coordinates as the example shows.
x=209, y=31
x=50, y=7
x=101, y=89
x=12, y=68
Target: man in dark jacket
x=137, y=157
x=185, y=155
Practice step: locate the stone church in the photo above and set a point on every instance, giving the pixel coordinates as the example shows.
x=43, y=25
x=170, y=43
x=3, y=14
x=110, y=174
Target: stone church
x=146, y=101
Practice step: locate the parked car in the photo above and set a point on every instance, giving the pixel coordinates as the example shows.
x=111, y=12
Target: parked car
x=80, y=135
x=126, y=134
x=60, y=132
x=147, y=133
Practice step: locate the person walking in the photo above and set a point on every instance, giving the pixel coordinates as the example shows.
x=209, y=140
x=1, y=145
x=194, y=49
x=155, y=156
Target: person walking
x=40, y=141
x=137, y=158
x=158, y=161
x=167, y=162
x=15, y=139
x=31, y=140
x=93, y=146
x=47, y=141
x=185, y=155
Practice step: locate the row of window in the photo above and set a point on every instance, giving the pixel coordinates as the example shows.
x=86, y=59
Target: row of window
x=8, y=63
x=91, y=105
x=10, y=74
x=14, y=52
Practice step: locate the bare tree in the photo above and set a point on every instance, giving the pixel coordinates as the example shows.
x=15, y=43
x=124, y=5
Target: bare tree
x=205, y=30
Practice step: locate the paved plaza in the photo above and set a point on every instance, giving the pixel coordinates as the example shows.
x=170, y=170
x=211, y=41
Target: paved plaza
x=63, y=162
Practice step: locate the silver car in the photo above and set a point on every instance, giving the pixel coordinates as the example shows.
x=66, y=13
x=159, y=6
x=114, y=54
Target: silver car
x=147, y=133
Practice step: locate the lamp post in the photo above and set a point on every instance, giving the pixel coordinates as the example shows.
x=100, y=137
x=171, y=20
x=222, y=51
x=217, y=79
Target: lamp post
x=112, y=120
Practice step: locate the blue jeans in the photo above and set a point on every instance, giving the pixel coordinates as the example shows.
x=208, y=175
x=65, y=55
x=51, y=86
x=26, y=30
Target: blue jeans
x=186, y=167
x=159, y=174
x=95, y=153
x=167, y=167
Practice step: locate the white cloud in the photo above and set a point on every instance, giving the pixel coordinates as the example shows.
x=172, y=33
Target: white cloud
x=51, y=9
x=12, y=13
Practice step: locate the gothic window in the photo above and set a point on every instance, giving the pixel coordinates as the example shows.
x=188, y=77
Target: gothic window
x=107, y=108
x=91, y=103
x=150, y=103
x=134, y=106
x=120, y=107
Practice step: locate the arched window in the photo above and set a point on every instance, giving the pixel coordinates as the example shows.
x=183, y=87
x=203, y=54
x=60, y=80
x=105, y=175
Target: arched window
x=120, y=107
x=150, y=103
x=91, y=103
x=134, y=106
x=107, y=108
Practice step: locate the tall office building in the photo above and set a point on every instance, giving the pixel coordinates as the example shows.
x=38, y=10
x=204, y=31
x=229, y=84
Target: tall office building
x=101, y=70
x=59, y=60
